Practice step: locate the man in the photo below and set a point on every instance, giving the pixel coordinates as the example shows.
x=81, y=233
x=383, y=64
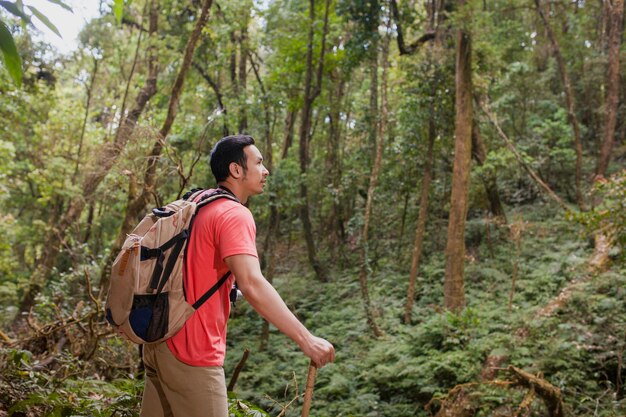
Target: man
x=185, y=375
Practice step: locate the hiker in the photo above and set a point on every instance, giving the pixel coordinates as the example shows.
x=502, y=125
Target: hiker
x=184, y=374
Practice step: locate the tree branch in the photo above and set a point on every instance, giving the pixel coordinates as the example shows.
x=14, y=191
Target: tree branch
x=412, y=48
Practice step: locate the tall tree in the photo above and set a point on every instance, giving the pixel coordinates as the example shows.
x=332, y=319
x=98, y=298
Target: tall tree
x=454, y=283
x=420, y=227
x=137, y=201
x=570, y=102
x=311, y=92
x=380, y=129
x=107, y=156
x=615, y=17
x=243, y=71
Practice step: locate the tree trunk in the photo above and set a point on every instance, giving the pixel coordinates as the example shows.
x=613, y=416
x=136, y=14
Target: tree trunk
x=615, y=17
x=233, y=63
x=268, y=258
x=454, y=291
x=267, y=112
x=421, y=218
x=372, y=111
x=243, y=74
x=137, y=206
x=334, y=222
x=569, y=101
x=380, y=130
x=489, y=178
x=107, y=156
x=310, y=94
x=269, y=261
x=290, y=121
x=81, y=139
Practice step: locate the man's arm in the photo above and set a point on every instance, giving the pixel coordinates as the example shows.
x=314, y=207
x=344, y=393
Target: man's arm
x=266, y=300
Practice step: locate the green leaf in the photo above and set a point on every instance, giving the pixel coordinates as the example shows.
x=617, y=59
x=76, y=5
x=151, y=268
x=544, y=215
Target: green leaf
x=11, y=58
x=15, y=10
x=118, y=10
x=45, y=20
x=60, y=3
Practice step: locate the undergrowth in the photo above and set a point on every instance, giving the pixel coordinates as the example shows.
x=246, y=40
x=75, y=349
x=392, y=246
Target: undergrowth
x=578, y=346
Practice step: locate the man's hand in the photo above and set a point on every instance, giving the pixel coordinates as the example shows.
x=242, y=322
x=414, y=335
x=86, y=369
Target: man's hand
x=321, y=351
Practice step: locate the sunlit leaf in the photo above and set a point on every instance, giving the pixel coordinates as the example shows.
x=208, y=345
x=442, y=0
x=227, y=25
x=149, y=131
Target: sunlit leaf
x=45, y=20
x=11, y=58
x=60, y=3
x=118, y=10
x=15, y=10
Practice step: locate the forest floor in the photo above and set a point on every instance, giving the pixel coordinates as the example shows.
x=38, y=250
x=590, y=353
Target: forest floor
x=556, y=321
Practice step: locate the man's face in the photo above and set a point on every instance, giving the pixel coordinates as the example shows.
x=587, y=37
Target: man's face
x=256, y=173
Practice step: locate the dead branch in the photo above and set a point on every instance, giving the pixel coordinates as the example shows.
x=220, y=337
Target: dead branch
x=456, y=403
x=545, y=187
x=524, y=408
x=286, y=406
x=6, y=338
x=238, y=368
x=550, y=394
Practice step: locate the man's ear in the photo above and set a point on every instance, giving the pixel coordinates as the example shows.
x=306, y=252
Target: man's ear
x=235, y=170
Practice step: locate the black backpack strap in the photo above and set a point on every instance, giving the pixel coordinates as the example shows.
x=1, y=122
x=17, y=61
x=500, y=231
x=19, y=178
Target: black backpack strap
x=161, y=274
x=211, y=291
x=190, y=193
x=171, y=262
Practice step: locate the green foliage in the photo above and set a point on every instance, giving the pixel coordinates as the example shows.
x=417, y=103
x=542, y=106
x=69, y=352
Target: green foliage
x=58, y=393
x=45, y=157
x=609, y=216
x=12, y=59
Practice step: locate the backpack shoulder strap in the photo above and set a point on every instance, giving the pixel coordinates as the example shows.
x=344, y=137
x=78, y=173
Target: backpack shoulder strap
x=215, y=195
x=204, y=201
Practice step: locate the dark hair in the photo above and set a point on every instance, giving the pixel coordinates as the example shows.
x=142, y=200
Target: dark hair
x=227, y=150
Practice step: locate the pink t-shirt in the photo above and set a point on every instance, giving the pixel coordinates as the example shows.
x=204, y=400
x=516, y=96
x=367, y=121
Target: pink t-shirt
x=221, y=229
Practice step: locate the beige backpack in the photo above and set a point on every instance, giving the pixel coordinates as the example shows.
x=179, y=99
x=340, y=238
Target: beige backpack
x=146, y=300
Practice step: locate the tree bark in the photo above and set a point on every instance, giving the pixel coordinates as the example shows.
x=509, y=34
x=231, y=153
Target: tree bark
x=372, y=113
x=267, y=112
x=243, y=74
x=333, y=163
x=569, y=102
x=454, y=286
x=380, y=129
x=137, y=206
x=615, y=17
x=107, y=156
x=310, y=94
x=81, y=139
x=290, y=122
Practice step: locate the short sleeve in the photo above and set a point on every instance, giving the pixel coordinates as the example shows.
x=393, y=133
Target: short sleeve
x=236, y=233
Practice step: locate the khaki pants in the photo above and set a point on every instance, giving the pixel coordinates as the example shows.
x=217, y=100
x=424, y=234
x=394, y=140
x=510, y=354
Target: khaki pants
x=175, y=389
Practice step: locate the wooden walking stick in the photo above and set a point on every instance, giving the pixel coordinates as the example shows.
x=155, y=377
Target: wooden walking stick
x=308, y=392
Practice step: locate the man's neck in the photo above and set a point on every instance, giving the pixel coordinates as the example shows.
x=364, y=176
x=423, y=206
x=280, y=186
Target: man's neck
x=234, y=189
